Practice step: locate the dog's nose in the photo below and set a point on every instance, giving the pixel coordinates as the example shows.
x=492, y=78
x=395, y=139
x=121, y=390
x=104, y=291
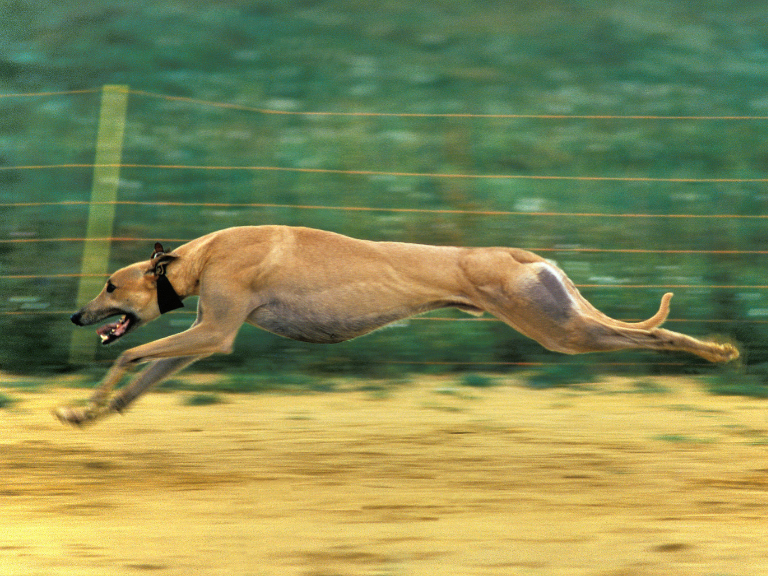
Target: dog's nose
x=76, y=318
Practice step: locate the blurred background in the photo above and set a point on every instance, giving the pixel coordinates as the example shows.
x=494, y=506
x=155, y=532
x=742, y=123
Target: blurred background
x=625, y=141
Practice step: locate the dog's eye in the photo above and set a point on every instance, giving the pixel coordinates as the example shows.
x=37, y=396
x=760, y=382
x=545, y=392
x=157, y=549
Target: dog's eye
x=111, y=287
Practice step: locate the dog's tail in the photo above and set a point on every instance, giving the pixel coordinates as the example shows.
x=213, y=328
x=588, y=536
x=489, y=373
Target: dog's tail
x=657, y=319
x=653, y=322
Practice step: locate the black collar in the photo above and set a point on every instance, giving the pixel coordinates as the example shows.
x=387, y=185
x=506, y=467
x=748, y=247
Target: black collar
x=167, y=298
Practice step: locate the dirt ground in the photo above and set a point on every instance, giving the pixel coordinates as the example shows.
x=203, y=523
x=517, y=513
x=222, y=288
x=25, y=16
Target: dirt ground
x=431, y=478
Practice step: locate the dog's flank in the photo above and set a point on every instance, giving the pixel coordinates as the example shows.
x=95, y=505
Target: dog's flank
x=323, y=287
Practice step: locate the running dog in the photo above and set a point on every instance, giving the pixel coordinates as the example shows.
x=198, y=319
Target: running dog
x=322, y=287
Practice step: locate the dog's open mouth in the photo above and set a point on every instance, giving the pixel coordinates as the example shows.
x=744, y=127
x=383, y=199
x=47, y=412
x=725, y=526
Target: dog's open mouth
x=111, y=332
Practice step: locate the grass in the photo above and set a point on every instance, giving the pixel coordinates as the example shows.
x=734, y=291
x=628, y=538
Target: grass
x=561, y=375
x=683, y=439
x=26, y=385
x=746, y=385
x=647, y=387
x=244, y=383
x=203, y=400
x=474, y=380
x=284, y=382
x=739, y=382
x=6, y=401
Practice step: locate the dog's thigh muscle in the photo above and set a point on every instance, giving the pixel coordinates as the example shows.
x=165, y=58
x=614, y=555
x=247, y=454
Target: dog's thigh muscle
x=548, y=291
x=534, y=297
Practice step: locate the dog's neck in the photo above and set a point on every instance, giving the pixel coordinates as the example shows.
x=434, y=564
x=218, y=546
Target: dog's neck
x=181, y=277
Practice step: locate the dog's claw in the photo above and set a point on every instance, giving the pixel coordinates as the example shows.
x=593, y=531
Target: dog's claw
x=78, y=415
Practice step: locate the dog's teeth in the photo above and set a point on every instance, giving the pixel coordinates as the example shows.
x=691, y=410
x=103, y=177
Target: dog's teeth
x=104, y=337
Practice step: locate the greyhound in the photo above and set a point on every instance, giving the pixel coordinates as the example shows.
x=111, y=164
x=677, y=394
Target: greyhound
x=322, y=287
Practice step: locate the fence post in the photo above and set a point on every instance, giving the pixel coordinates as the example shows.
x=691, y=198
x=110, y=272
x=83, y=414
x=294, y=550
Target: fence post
x=101, y=212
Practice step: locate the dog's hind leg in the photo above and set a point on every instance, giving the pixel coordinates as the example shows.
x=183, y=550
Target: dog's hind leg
x=537, y=298
x=607, y=338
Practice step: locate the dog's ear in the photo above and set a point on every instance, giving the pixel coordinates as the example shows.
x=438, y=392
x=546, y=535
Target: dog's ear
x=158, y=250
x=159, y=260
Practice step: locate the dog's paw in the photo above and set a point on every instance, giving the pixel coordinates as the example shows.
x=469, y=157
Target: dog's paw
x=725, y=350
x=730, y=352
x=78, y=415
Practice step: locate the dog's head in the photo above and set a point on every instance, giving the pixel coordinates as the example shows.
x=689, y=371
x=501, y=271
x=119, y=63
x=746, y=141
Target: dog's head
x=138, y=293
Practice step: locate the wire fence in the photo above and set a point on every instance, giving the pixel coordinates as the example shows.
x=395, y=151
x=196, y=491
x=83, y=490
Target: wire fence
x=193, y=204
x=412, y=210
x=334, y=171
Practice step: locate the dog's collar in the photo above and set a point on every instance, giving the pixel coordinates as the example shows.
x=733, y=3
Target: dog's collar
x=167, y=298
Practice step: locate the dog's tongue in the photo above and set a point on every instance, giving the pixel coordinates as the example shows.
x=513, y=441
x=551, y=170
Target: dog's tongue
x=113, y=330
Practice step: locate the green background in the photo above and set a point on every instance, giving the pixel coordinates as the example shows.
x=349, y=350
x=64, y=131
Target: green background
x=550, y=62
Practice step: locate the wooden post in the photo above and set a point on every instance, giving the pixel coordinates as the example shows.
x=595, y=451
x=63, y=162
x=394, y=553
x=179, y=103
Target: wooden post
x=101, y=213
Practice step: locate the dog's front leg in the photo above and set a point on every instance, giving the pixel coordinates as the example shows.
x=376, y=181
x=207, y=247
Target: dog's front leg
x=155, y=373
x=97, y=404
x=167, y=355
x=116, y=372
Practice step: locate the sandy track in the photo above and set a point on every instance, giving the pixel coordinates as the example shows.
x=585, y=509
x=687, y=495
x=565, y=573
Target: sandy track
x=426, y=480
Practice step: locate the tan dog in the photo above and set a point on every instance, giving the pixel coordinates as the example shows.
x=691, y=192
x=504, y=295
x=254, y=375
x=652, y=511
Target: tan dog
x=322, y=287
